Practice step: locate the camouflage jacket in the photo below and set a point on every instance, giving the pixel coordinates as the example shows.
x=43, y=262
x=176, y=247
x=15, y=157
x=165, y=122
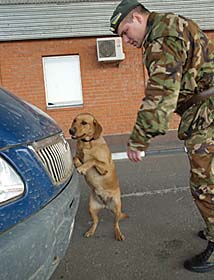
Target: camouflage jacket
x=180, y=62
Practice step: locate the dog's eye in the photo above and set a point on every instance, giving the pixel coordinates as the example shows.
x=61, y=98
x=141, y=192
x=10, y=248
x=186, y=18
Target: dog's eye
x=84, y=122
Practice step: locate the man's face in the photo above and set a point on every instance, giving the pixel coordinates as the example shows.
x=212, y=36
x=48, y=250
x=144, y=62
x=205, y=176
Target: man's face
x=133, y=32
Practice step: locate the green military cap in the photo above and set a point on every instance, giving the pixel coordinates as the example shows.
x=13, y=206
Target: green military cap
x=121, y=11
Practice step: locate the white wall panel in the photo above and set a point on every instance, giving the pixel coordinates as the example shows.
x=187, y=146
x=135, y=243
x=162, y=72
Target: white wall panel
x=40, y=19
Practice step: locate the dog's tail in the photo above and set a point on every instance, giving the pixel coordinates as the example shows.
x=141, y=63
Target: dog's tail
x=123, y=216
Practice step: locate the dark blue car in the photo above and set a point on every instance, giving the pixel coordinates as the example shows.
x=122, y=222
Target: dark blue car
x=39, y=192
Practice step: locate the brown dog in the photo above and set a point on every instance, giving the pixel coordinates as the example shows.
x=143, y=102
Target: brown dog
x=93, y=160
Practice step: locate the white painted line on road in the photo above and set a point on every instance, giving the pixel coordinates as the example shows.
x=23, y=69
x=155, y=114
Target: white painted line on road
x=123, y=155
x=139, y=194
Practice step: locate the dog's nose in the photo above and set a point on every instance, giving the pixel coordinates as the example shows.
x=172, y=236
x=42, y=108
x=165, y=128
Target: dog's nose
x=72, y=131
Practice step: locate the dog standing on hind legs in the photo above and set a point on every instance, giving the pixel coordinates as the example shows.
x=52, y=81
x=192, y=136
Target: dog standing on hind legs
x=93, y=160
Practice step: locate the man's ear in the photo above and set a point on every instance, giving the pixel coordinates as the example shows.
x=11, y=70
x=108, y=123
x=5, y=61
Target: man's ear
x=137, y=17
x=98, y=129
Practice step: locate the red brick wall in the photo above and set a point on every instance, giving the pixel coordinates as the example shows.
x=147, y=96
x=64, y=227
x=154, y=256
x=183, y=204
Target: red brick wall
x=111, y=92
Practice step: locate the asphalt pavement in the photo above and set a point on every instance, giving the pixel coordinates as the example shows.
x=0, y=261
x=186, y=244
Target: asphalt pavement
x=161, y=231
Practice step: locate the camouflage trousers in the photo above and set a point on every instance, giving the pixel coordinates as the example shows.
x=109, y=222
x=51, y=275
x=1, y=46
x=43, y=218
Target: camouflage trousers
x=200, y=149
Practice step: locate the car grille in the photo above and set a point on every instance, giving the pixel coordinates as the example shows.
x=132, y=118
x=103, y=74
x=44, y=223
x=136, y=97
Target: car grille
x=55, y=155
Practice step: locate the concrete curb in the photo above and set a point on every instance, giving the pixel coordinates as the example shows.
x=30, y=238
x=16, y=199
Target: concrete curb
x=123, y=155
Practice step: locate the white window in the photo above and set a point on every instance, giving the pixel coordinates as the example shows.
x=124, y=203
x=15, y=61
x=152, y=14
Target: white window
x=62, y=77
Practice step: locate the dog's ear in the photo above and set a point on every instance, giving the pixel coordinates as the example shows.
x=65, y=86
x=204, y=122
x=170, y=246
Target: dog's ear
x=98, y=129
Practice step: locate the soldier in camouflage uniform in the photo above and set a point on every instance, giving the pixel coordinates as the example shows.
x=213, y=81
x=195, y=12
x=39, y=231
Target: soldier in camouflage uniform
x=180, y=63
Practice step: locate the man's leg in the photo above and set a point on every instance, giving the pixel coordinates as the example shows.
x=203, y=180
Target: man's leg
x=201, y=157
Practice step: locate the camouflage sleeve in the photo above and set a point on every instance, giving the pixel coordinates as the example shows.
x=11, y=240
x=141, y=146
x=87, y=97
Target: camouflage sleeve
x=164, y=59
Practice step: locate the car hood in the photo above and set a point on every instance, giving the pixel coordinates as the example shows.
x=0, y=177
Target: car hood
x=21, y=122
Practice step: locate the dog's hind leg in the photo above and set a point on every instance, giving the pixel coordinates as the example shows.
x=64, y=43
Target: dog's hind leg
x=94, y=208
x=116, y=209
x=95, y=219
x=118, y=234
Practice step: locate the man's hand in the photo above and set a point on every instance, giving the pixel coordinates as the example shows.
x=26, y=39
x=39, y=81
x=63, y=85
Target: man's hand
x=134, y=156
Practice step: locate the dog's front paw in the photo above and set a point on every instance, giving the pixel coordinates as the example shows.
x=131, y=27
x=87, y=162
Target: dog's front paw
x=82, y=170
x=77, y=162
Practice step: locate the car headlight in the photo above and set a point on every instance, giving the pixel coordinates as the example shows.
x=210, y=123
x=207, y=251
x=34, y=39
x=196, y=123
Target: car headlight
x=11, y=185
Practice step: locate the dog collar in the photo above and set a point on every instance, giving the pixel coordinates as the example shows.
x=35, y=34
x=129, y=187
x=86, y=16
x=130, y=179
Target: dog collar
x=84, y=140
